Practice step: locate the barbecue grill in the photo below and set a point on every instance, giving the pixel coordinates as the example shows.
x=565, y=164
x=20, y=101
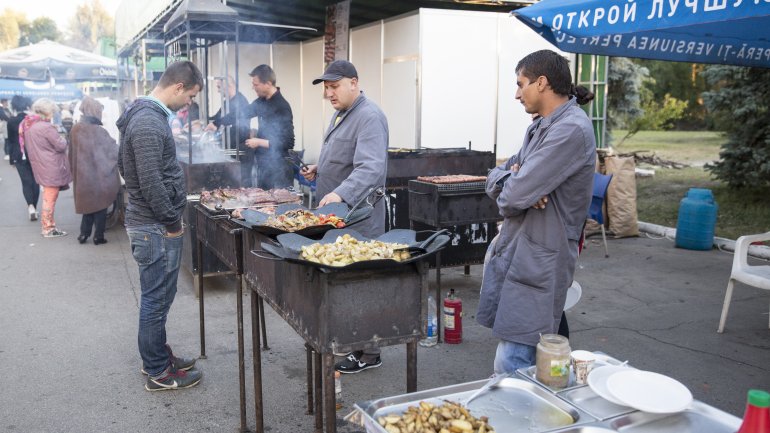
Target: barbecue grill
x=337, y=311
x=224, y=239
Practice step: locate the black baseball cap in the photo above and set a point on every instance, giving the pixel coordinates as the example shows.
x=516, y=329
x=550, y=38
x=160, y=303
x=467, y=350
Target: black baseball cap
x=336, y=71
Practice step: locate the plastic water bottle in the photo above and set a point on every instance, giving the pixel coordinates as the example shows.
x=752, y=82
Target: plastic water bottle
x=431, y=337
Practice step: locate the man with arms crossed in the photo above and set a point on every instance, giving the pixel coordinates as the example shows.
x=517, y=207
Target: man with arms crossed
x=156, y=202
x=543, y=193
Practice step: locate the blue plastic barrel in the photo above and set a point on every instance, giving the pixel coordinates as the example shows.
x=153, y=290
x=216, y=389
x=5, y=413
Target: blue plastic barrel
x=696, y=221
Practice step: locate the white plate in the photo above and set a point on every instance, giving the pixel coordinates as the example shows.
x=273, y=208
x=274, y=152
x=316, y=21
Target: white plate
x=597, y=380
x=649, y=392
x=573, y=295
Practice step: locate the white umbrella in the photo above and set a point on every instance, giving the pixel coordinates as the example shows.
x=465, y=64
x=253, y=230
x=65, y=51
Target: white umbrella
x=50, y=61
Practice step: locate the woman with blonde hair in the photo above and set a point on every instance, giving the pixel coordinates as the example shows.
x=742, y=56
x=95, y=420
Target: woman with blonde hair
x=94, y=163
x=47, y=152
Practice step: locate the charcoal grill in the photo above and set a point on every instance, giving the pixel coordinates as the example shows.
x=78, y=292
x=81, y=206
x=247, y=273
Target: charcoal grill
x=224, y=239
x=325, y=309
x=460, y=207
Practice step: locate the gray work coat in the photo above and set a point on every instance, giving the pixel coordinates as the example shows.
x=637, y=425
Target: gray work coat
x=531, y=264
x=354, y=157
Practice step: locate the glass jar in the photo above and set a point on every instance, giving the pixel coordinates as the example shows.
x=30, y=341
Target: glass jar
x=552, y=361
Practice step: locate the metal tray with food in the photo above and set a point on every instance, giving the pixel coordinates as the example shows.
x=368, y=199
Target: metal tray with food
x=298, y=219
x=513, y=405
x=347, y=249
x=530, y=373
x=230, y=199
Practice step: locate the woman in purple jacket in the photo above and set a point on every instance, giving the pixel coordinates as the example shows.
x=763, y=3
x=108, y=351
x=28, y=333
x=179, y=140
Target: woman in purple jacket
x=47, y=152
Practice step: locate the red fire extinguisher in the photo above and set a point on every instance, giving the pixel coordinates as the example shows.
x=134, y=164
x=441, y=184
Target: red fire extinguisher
x=453, y=319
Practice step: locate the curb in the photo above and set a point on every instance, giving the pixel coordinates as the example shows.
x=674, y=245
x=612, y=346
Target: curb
x=758, y=251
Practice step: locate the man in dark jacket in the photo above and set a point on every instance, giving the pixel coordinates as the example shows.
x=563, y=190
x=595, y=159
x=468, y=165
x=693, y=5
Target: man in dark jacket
x=275, y=136
x=156, y=201
x=237, y=105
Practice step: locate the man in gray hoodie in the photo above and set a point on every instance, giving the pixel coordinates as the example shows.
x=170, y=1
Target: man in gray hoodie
x=156, y=202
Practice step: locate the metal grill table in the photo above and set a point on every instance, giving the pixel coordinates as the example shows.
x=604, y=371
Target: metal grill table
x=337, y=311
x=449, y=205
x=225, y=239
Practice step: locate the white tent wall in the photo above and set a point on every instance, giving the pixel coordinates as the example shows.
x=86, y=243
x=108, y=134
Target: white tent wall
x=443, y=78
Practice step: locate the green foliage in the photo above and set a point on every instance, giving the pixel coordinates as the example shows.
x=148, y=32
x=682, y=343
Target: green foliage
x=38, y=30
x=656, y=116
x=9, y=28
x=682, y=81
x=741, y=104
x=624, y=85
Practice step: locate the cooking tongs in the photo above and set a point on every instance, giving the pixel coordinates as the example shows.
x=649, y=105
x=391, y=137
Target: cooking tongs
x=372, y=196
x=294, y=159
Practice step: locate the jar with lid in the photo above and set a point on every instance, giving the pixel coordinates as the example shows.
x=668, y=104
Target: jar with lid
x=552, y=361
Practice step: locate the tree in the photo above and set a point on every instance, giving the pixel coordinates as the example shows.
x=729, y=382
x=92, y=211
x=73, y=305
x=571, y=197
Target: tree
x=91, y=22
x=624, y=86
x=681, y=81
x=40, y=29
x=9, y=28
x=741, y=103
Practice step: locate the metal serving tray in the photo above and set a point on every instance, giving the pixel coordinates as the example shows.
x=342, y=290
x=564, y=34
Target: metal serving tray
x=516, y=405
x=698, y=418
x=530, y=373
x=586, y=399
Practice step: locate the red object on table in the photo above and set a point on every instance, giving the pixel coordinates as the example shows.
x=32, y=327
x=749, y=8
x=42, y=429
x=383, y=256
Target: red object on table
x=757, y=416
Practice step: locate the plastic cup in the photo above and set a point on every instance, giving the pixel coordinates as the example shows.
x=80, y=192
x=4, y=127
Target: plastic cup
x=582, y=363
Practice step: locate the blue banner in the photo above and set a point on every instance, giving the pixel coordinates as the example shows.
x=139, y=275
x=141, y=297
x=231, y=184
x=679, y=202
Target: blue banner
x=731, y=32
x=36, y=90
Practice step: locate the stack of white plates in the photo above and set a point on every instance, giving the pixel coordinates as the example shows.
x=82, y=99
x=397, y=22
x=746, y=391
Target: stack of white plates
x=641, y=390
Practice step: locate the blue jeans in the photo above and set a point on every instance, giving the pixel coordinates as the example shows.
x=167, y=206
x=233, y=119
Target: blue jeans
x=158, y=257
x=511, y=356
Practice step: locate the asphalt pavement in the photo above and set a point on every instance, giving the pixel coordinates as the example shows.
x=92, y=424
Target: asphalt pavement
x=69, y=360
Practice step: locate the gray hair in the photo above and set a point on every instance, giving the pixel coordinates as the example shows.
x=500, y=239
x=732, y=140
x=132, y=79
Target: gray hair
x=45, y=107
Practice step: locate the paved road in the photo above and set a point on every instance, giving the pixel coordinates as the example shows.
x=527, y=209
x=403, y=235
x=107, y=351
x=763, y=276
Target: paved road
x=69, y=363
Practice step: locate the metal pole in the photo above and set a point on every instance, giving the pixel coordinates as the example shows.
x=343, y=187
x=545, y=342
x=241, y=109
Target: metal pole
x=257, y=364
x=201, y=315
x=330, y=398
x=411, y=366
x=309, y=356
x=319, y=412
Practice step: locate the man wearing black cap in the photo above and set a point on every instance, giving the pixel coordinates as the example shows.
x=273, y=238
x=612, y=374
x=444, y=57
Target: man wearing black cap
x=353, y=159
x=275, y=136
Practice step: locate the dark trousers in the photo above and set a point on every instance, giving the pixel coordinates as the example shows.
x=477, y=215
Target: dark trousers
x=29, y=187
x=96, y=220
x=563, y=326
x=246, y=178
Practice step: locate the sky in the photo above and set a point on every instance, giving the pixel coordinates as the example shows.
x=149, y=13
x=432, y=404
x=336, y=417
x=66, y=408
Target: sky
x=59, y=10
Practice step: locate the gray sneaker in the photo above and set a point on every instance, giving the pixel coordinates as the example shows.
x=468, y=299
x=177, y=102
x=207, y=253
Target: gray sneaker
x=183, y=364
x=173, y=379
x=55, y=233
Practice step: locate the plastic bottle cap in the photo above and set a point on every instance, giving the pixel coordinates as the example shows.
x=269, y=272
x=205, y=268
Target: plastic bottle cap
x=759, y=398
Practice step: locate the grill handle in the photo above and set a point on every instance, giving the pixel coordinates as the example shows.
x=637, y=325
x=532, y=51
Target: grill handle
x=258, y=253
x=411, y=191
x=460, y=193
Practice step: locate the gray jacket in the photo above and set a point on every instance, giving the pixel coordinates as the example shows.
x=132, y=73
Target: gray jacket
x=531, y=264
x=354, y=157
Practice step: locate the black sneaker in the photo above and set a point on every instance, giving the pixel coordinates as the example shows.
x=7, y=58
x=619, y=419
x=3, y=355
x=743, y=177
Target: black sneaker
x=173, y=379
x=183, y=364
x=353, y=363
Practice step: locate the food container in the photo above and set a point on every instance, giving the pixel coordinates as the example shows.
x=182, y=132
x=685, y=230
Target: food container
x=553, y=361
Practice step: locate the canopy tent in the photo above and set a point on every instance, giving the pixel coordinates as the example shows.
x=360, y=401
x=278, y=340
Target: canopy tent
x=35, y=90
x=730, y=32
x=50, y=61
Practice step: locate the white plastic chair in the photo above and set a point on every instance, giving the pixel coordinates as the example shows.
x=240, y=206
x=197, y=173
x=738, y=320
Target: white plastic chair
x=756, y=276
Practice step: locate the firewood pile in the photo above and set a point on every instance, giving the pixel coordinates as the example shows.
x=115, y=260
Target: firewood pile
x=642, y=156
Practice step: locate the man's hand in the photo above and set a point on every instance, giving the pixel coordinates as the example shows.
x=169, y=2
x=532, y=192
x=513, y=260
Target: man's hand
x=256, y=142
x=211, y=127
x=309, y=172
x=332, y=197
x=540, y=203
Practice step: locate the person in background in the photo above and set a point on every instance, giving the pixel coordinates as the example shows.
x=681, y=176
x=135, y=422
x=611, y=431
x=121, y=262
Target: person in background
x=47, y=152
x=156, y=201
x=354, y=158
x=5, y=116
x=543, y=193
x=94, y=163
x=30, y=188
x=237, y=104
x=275, y=136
